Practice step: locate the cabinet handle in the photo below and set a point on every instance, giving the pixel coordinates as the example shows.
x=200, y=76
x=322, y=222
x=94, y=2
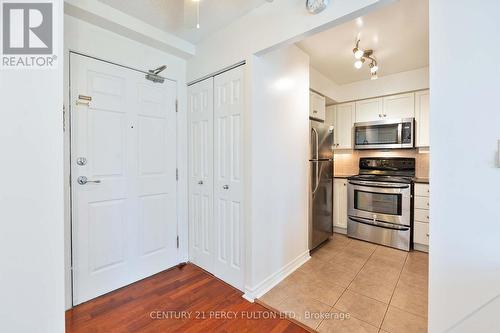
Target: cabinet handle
x=200, y=182
x=380, y=115
x=427, y=234
x=385, y=115
x=226, y=187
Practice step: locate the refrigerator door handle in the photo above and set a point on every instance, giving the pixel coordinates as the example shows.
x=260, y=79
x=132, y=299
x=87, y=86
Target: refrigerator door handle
x=316, y=166
x=316, y=153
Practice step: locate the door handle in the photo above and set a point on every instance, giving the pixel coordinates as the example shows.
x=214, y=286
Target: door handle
x=226, y=187
x=82, y=180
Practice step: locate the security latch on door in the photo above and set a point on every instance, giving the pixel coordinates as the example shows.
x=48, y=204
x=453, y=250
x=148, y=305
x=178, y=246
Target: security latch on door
x=83, y=100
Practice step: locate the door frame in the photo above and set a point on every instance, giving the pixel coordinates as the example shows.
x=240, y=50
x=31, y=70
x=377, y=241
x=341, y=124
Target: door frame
x=68, y=127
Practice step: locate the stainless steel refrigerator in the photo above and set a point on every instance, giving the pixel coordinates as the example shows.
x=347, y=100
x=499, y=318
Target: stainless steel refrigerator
x=321, y=183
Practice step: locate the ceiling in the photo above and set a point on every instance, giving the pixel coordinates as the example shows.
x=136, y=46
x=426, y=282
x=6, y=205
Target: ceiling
x=178, y=17
x=398, y=34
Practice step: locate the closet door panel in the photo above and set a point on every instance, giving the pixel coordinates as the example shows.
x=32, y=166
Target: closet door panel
x=228, y=218
x=200, y=113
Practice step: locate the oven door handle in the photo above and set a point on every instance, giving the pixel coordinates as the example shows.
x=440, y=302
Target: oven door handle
x=379, y=224
x=378, y=185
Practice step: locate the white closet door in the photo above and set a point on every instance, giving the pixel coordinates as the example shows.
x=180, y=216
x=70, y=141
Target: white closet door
x=124, y=217
x=228, y=210
x=201, y=229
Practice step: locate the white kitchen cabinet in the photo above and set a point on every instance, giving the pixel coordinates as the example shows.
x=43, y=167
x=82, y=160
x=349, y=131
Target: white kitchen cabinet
x=344, y=121
x=422, y=118
x=317, y=106
x=340, y=203
x=369, y=110
x=421, y=202
x=399, y=106
x=421, y=233
x=421, y=217
x=422, y=190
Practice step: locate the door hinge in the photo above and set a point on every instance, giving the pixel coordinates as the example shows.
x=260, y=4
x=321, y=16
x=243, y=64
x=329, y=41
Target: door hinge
x=176, y=105
x=64, y=118
x=177, y=241
x=177, y=174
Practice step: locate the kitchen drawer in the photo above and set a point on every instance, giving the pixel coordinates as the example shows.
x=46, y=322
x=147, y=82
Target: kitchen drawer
x=422, y=215
x=422, y=190
x=422, y=202
x=421, y=233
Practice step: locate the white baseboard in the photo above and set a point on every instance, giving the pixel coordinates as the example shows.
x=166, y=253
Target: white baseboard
x=271, y=281
x=340, y=230
x=421, y=247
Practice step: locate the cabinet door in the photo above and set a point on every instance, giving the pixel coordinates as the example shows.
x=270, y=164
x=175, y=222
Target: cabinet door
x=228, y=180
x=369, y=110
x=422, y=118
x=317, y=105
x=399, y=106
x=421, y=233
x=340, y=203
x=330, y=117
x=344, y=121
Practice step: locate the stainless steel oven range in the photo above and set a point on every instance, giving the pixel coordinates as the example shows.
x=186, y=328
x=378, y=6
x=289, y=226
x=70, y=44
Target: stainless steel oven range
x=380, y=201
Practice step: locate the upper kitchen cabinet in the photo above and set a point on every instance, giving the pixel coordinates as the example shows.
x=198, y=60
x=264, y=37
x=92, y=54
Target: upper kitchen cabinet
x=343, y=115
x=422, y=118
x=399, y=106
x=369, y=110
x=317, y=106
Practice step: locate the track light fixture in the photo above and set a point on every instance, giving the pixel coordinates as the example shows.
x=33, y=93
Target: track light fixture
x=361, y=56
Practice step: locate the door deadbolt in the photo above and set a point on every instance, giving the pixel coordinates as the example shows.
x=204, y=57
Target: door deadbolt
x=81, y=161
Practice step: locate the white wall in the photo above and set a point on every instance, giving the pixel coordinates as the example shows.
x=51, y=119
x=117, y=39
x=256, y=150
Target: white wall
x=92, y=40
x=111, y=19
x=322, y=84
x=270, y=26
x=278, y=234
x=386, y=85
x=465, y=195
x=31, y=198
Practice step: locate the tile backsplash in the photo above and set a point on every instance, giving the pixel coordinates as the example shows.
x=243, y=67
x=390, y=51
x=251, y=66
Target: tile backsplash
x=347, y=162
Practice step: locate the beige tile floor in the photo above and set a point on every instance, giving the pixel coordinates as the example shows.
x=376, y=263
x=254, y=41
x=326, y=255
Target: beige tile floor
x=354, y=286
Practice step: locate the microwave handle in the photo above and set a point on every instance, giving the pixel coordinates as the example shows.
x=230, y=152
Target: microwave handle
x=316, y=138
x=400, y=133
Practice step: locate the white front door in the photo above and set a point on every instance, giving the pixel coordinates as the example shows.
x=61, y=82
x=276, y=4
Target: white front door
x=124, y=214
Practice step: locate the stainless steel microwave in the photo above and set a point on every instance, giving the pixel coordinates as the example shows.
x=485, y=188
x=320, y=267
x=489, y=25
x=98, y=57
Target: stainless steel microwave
x=385, y=134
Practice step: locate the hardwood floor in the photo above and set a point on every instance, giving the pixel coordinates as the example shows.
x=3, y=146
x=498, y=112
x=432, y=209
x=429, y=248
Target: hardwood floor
x=185, y=299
